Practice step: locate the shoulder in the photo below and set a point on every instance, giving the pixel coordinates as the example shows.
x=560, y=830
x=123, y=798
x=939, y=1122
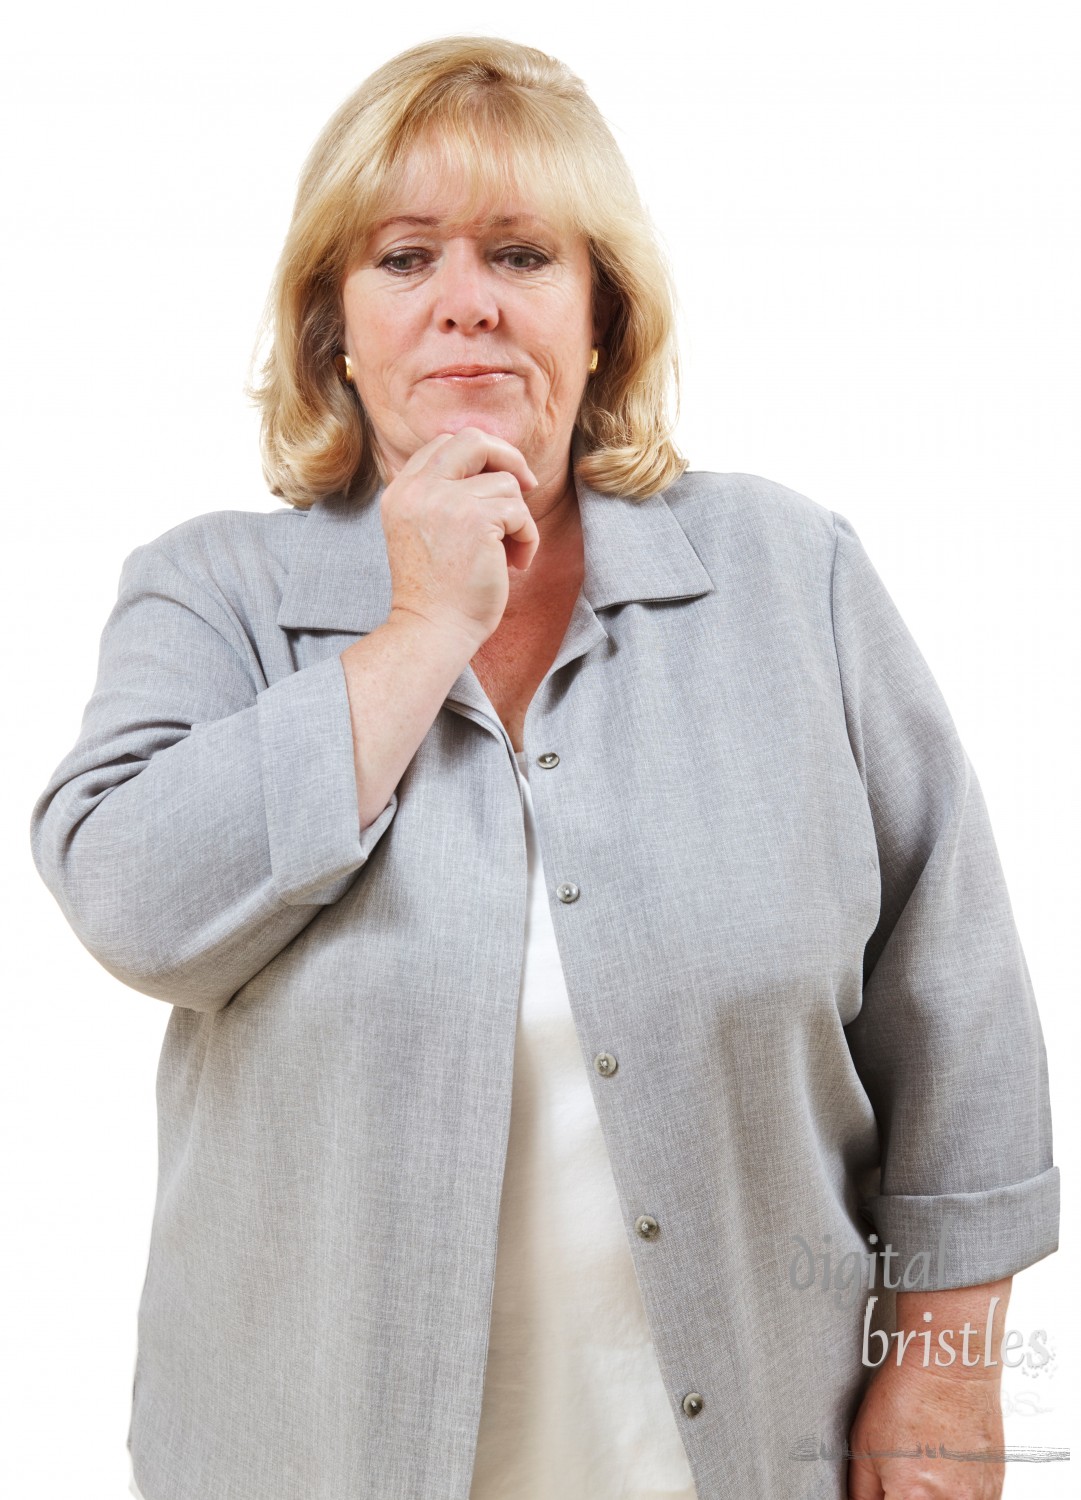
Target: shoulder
x=748, y=516
x=225, y=552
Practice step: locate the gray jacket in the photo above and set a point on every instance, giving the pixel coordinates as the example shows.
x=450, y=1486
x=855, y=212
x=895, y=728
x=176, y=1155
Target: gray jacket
x=790, y=952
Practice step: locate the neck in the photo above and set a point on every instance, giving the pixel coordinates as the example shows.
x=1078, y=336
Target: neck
x=559, y=560
x=554, y=505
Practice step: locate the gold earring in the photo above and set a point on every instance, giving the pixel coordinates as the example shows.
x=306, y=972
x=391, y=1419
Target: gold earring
x=349, y=369
x=594, y=361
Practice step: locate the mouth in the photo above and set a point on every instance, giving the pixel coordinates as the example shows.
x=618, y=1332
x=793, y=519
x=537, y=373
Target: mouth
x=471, y=375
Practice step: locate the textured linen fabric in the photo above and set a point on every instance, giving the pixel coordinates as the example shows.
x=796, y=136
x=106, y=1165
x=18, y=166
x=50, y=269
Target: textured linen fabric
x=791, y=932
x=574, y=1401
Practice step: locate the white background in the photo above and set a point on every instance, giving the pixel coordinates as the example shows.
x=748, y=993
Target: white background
x=872, y=214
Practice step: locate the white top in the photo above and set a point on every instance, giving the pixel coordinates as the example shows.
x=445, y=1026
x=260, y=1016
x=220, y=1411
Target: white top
x=574, y=1403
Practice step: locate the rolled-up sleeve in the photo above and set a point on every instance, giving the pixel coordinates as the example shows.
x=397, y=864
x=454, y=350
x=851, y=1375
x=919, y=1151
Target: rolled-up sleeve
x=947, y=1043
x=202, y=818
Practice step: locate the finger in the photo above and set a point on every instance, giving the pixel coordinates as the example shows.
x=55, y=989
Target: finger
x=520, y=535
x=418, y=459
x=519, y=554
x=473, y=451
x=493, y=484
x=863, y=1481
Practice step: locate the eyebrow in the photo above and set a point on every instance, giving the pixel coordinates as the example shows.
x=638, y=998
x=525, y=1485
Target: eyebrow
x=495, y=220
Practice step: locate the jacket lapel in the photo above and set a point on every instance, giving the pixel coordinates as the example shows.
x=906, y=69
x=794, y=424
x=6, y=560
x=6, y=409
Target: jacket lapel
x=635, y=550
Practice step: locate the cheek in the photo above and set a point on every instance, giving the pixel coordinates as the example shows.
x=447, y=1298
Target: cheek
x=571, y=356
x=381, y=349
x=376, y=327
x=576, y=336
x=561, y=346
x=370, y=336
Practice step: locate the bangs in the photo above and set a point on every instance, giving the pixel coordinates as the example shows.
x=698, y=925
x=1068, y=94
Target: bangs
x=490, y=156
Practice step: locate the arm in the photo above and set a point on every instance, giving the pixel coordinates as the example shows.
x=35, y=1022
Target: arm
x=203, y=819
x=398, y=676
x=948, y=1042
x=949, y=1048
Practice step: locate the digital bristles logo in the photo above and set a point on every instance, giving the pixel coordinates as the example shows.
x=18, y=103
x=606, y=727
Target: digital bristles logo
x=846, y=1277
x=855, y=1272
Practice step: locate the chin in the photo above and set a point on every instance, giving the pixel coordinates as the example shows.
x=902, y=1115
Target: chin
x=498, y=426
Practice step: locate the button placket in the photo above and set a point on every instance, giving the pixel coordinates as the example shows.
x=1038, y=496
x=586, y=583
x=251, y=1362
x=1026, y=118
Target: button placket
x=566, y=891
x=645, y=1225
x=647, y=1228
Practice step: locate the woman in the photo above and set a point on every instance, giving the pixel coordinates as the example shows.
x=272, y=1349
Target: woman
x=514, y=763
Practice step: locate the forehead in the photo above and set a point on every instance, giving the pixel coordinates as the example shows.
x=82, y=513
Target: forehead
x=477, y=191
x=455, y=218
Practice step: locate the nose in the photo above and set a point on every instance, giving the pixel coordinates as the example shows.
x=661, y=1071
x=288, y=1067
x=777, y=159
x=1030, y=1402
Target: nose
x=465, y=290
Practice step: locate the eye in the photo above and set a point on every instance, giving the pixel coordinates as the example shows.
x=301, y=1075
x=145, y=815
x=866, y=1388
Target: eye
x=519, y=251
x=399, y=255
x=396, y=261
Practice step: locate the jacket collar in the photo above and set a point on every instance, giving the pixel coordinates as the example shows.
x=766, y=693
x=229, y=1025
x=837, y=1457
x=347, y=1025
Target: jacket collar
x=635, y=550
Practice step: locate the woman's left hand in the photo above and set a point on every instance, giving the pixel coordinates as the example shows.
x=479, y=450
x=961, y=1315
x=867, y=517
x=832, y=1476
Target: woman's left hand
x=924, y=1409
x=909, y=1408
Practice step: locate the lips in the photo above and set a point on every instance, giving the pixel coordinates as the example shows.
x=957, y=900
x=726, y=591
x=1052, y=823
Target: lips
x=468, y=372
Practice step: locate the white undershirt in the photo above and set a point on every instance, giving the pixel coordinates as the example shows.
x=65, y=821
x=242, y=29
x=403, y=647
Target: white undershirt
x=574, y=1404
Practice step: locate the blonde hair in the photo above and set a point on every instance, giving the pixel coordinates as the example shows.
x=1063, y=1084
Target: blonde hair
x=500, y=117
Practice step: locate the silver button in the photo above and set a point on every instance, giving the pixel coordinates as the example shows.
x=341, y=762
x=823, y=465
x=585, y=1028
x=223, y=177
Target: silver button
x=548, y=760
x=568, y=891
x=692, y=1404
x=605, y=1064
x=647, y=1227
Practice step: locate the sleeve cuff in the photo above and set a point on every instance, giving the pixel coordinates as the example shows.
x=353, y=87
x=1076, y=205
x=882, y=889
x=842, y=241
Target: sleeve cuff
x=969, y=1238
x=309, y=786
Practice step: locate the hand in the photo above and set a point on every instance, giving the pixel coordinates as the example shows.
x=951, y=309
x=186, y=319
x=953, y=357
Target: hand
x=454, y=520
x=906, y=1406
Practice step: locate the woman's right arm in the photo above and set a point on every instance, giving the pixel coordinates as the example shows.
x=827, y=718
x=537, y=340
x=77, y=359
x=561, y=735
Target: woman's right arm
x=203, y=819
x=400, y=675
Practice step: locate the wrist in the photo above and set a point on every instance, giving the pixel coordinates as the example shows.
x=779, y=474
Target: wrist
x=454, y=642
x=955, y=1333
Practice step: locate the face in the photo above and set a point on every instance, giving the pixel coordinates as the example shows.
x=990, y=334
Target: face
x=425, y=298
